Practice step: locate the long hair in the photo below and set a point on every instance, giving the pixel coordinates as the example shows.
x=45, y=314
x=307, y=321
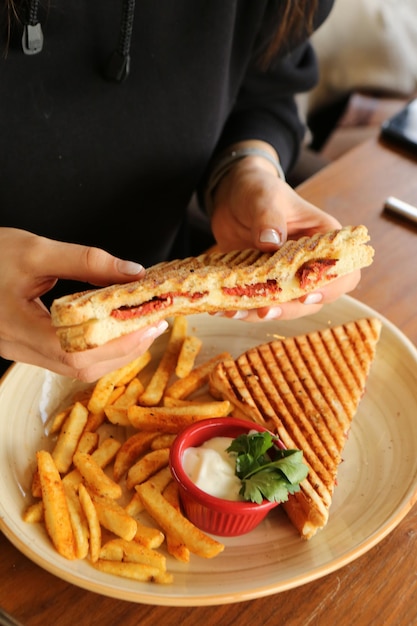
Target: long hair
x=296, y=18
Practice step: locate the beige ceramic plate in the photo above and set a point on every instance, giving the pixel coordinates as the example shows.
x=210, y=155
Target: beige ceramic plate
x=376, y=488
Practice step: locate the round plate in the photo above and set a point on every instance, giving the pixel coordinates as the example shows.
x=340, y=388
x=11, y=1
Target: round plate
x=377, y=481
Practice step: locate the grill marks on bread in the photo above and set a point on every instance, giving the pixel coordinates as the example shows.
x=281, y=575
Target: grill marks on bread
x=215, y=281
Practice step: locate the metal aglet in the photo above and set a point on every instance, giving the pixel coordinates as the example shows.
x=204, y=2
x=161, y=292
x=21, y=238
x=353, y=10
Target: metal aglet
x=32, y=39
x=118, y=67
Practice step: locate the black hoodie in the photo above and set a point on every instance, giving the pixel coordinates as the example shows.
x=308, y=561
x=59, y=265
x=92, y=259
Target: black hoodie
x=114, y=164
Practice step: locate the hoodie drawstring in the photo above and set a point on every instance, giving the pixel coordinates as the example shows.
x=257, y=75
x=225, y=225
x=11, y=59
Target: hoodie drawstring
x=118, y=66
x=32, y=39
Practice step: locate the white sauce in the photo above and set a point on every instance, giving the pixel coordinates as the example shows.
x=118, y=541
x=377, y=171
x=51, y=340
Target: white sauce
x=212, y=469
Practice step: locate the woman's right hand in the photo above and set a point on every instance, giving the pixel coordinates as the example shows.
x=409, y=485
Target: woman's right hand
x=31, y=265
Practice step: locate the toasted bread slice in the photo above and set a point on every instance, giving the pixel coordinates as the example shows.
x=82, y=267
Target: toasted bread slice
x=243, y=279
x=307, y=389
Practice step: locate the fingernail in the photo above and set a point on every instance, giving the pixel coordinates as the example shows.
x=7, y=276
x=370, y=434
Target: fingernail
x=155, y=331
x=240, y=315
x=273, y=313
x=313, y=298
x=269, y=235
x=129, y=267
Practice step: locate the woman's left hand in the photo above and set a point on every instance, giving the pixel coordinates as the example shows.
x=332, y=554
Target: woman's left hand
x=254, y=208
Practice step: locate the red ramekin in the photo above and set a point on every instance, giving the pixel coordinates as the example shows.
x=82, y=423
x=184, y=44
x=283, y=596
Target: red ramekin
x=214, y=515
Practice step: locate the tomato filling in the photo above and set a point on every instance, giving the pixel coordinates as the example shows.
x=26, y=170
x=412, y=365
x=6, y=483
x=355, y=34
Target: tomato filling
x=312, y=271
x=258, y=289
x=163, y=302
x=156, y=304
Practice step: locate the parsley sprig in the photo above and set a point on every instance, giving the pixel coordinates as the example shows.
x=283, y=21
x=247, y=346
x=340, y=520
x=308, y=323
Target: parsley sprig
x=266, y=470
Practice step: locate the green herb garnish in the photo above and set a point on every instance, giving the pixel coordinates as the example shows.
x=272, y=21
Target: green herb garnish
x=266, y=470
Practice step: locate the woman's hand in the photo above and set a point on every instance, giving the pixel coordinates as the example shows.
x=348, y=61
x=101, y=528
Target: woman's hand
x=253, y=208
x=31, y=266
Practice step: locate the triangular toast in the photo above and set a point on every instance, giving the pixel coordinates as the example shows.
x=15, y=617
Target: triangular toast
x=307, y=389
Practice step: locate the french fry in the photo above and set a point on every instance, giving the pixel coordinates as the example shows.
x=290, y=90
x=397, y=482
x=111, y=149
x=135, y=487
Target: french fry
x=145, y=467
x=106, y=451
x=196, y=379
x=105, y=385
x=135, y=571
x=101, y=393
x=130, y=451
x=173, y=419
x=95, y=478
x=166, y=366
x=35, y=489
x=59, y=419
x=163, y=441
x=213, y=408
x=116, y=394
x=114, y=517
x=130, y=394
x=116, y=415
x=103, y=455
x=69, y=437
x=148, y=536
x=85, y=497
x=56, y=515
x=171, y=493
x=78, y=522
x=34, y=512
x=173, y=522
x=168, y=401
x=175, y=546
x=161, y=479
x=134, y=506
x=111, y=551
x=189, y=350
x=95, y=420
x=133, y=552
x=94, y=528
x=131, y=370
x=88, y=442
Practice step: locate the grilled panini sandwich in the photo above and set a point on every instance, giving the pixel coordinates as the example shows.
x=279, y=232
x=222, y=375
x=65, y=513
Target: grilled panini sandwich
x=244, y=279
x=307, y=389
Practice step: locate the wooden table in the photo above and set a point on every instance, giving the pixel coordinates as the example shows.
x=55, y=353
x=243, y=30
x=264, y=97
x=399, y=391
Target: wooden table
x=378, y=588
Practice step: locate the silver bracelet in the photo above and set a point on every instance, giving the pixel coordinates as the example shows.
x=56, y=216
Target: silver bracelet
x=226, y=163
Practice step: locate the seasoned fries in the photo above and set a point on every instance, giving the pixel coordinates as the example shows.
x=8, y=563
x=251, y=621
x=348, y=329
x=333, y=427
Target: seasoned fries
x=148, y=465
x=95, y=478
x=173, y=419
x=113, y=517
x=156, y=387
x=196, y=379
x=130, y=451
x=93, y=522
x=56, y=514
x=69, y=436
x=78, y=522
x=110, y=498
x=189, y=350
x=172, y=521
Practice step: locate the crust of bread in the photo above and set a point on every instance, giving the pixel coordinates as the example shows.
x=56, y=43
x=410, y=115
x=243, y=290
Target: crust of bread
x=307, y=389
x=211, y=282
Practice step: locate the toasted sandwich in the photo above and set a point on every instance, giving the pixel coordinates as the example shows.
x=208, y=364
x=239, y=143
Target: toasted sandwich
x=211, y=282
x=307, y=390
